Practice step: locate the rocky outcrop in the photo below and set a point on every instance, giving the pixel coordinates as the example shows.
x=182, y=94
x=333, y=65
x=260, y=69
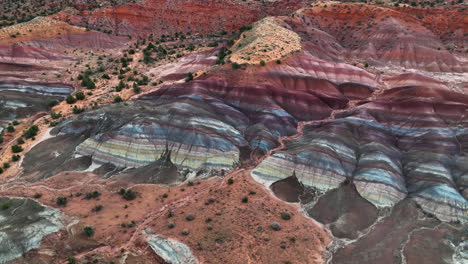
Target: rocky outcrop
x=267, y=41
x=23, y=224
x=171, y=251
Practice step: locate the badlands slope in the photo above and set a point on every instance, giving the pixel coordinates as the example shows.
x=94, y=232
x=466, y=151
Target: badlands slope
x=324, y=133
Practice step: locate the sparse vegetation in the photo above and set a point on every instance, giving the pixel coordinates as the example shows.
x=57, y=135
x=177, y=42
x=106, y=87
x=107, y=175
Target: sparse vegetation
x=15, y=157
x=61, y=200
x=16, y=149
x=31, y=132
x=190, y=218
x=97, y=208
x=70, y=99
x=117, y=99
x=78, y=110
x=88, y=231
x=92, y=195
x=285, y=215
x=71, y=260
x=128, y=194
x=80, y=96
x=189, y=77
x=88, y=83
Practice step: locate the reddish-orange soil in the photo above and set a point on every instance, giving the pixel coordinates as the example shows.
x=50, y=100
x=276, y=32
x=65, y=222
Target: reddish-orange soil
x=225, y=228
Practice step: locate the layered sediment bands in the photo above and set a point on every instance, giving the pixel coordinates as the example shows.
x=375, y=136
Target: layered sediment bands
x=49, y=34
x=335, y=83
x=21, y=97
x=411, y=85
x=272, y=111
x=23, y=224
x=382, y=36
x=190, y=63
x=169, y=16
x=195, y=133
x=414, y=79
x=162, y=171
x=22, y=84
x=91, y=40
x=19, y=67
x=27, y=55
x=411, y=152
x=206, y=124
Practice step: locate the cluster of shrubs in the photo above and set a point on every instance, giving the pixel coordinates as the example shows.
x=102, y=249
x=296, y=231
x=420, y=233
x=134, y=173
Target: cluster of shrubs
x=128, y=194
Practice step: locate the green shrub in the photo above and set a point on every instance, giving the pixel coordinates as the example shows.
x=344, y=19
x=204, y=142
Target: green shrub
x=117, y=99
x=128, y=194
x=80, y=96
x=71, y=260
x=31, y=132
x=285, y=215
x=61, y=200
x=88, y=83
x=190, y=218
x=16, y=149
x=55, y=115
x=97, y=208
x=88, y=231
x=189, y=77
x=77, y=110
x=93, y=194
x=15, y=157
x=70, y=99
x=262, y=63
x=136, y=88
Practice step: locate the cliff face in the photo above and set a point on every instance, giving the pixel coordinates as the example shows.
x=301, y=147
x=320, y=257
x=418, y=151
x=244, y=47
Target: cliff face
x=169, y=16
